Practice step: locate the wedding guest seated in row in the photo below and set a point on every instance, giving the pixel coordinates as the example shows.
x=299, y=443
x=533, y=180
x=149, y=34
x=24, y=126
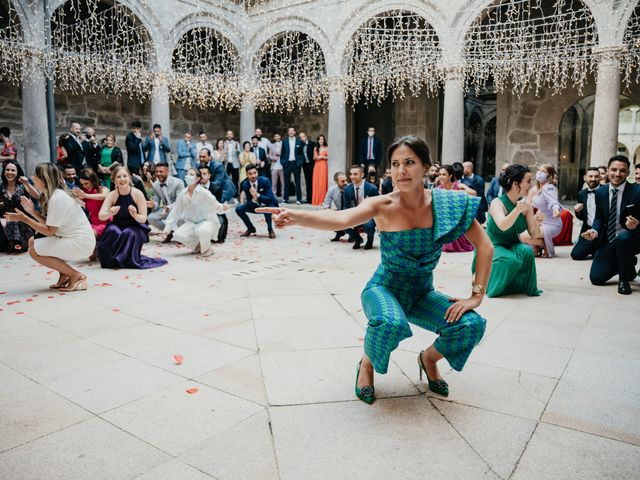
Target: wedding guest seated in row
x=615, y=227
x=585, y=210
x=93, y=195
x=449, y=179
x=166, y=190
x=198, y=210
x=545, y=198
x=122, y=240
x=354, y=194
x=513, y=268
x=14, y=236
x=66, y=233
x=335, y=197
x=148, y=177
x=258, y=192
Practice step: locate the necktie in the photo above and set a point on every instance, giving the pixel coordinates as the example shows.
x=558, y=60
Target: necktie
x=357, y=195
x=613, y=214
x=341, y=199
x=370, y=153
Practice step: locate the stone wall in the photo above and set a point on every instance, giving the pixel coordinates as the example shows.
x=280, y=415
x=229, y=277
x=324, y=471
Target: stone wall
x=11, y=114
x=312, y=123
x=420, y=116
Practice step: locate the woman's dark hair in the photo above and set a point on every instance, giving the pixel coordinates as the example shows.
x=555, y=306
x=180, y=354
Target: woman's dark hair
x=416, y=144
x=458, y=170
x=89, y=175
x=513, y=174
x=245, y=144
x=324, y=138
x=372, y=173
x=218, y=143
x=450, y=171
x=62, y=139
x=18, y=167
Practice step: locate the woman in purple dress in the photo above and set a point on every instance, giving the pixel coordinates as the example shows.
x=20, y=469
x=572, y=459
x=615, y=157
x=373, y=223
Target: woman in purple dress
x=121, y=243
x=545, y=199
x=447, y=181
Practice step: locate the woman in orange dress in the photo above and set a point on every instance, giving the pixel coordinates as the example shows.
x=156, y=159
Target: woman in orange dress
x=320, y=171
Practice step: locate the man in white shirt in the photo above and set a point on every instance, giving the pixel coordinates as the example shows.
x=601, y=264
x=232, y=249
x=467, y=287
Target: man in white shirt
x=232, y=155
x=264, y=142
x=585, y=210
x=202, y=143
x=277, y=172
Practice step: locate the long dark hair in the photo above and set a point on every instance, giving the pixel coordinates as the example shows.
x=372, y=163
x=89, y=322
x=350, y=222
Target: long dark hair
x=18, y=168
x=89, y=175
x=416, y=144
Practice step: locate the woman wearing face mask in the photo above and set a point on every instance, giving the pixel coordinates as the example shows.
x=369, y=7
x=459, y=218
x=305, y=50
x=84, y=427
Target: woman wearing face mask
x=122, y=240
x=67, y=234
x=545, y=199
x=513, y=269
x=198, y=209
x=14, y=236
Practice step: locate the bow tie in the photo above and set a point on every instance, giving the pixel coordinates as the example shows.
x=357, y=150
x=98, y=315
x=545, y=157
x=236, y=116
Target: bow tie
x=163, y=184
x=590, y=192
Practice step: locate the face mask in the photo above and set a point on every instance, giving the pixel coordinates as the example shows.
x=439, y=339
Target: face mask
x=371, y=134
x=189, y=180
x=541, y=176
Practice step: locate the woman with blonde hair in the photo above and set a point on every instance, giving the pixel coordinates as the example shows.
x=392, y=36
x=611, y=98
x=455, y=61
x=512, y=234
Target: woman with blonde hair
x=545, y=198
x=67, y=232
x=122, y=240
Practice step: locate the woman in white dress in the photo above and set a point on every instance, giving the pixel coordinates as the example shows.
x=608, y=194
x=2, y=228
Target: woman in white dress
x=198, y=209
x=67, y=232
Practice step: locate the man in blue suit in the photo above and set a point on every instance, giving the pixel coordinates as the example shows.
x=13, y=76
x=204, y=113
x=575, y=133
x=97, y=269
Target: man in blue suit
x=370, y=150
x=186, y=155
x=260, y=152
x=495, y=190
x=135, y=150
x=616, y=227
x=291, y=158
x=258, y=193
x=354, y=195
x=476, y=182
x=157, y=146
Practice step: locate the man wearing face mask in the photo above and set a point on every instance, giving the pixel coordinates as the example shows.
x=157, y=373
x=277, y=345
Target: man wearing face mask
x=198, y=209
x=370, y=150
x=585, y=210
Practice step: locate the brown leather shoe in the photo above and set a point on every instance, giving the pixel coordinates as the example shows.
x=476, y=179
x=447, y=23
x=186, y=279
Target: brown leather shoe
x=248, y=232
x=272, y=234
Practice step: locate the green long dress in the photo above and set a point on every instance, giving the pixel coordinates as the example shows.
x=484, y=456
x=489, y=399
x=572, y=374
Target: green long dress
x=514, y=268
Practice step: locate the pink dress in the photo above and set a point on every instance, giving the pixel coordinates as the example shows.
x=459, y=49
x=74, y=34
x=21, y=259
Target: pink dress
x=461, y=244
x=93, y=208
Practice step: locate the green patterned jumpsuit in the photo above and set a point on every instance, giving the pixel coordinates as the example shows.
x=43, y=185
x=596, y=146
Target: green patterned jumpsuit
x=401, y=290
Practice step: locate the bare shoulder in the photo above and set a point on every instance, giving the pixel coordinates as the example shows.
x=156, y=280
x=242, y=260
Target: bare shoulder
x=137, y=195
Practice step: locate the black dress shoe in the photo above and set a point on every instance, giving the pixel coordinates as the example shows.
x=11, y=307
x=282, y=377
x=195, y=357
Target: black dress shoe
x=356, y=243
x=336, y=238
x=368, y=245
x=624, y=288
x=272, y=234
x=248, y=232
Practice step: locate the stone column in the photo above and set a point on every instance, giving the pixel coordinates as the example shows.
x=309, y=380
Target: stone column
x=247, y=121
x=479, y=166
x=34, y=120
x=453, y=117
x=160, y=111
x=604, y=139
x=337, y=134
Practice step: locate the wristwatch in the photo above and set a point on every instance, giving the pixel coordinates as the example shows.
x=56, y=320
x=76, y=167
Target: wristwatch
x=477, y=289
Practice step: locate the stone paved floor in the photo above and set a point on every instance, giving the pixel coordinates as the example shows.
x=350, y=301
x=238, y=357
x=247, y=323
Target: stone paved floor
x=270, y=332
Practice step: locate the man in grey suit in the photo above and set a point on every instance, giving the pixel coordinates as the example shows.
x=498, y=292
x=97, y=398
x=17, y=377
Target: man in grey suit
x=166, y=190
x=335, y=196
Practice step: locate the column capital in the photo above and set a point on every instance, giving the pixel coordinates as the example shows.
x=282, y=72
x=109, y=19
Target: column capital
x=454, y=72
x=602, y=53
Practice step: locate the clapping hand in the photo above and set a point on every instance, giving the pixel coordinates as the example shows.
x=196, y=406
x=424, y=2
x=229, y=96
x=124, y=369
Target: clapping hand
x=79, y=193
x=578, y=207
x=631, y=223
x=24, y=181
x=17, y=216
x=28, y=205
x=590, y=234
x=523, y=206
x=253, y=192
x=282, y=216
x=132, y=210
x=539, y=217
x=114, y=210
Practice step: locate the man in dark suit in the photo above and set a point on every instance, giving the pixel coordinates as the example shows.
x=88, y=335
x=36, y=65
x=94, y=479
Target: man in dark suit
x=258, y=193
x=215, y=179
x=370, y=150
x=476, y=182
x=585, y=210
x=291, y=158
x=354, y=195
x=260, y=152
x=135, y=152
x=91, y=149
x=308, y=146
x=73, y=145
x=616, y=227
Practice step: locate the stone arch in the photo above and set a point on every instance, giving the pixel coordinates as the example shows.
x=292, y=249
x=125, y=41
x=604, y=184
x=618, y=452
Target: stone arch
x=466, y=17
x=289, y=24
x=627, y=15
x=25, y=19
x=348, y=29
x=191, y=22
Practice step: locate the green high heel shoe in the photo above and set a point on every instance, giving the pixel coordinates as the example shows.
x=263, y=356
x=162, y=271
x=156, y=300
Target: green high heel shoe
x=436, y=386
x=366, y=394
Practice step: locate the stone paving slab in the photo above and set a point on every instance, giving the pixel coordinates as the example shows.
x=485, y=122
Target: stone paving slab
x=270, y=332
